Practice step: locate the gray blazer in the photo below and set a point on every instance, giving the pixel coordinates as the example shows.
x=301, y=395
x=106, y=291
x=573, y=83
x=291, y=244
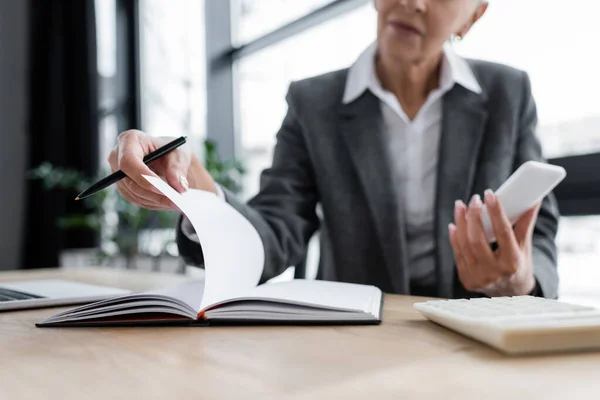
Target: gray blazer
x=333, y=154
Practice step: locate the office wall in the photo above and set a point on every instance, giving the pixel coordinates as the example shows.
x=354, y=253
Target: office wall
x=13, y=120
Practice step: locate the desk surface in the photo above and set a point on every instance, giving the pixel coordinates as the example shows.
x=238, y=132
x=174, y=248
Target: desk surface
x=405, y=357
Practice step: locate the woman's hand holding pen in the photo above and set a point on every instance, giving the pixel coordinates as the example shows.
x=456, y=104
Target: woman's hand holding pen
x=180, y=169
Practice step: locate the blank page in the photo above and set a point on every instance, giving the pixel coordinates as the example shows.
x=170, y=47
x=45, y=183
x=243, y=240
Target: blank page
x=232, y=249
x=322, y=294
x=191, y=293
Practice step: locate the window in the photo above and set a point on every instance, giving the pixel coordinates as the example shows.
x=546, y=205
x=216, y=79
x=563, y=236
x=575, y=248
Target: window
x=553, y=43
x=172, y=63
x=106, y=33
x=172, y=84
x=579, y=250
x=264, y=78
x=111, y=104
x=258, y=17
x=151, y=58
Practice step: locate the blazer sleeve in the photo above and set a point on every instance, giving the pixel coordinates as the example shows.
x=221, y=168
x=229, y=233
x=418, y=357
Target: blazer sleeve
x=544, y=246
x=284, y=210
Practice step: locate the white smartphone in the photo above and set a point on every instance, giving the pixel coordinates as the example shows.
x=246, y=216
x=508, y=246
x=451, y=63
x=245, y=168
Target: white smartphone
x=529, y=184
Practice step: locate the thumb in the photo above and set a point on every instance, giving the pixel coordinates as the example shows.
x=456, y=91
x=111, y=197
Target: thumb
x=176, y=172
x=524, y=226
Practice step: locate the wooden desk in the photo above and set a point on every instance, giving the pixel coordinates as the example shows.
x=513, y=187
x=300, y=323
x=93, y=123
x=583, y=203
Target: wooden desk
x=406, y=357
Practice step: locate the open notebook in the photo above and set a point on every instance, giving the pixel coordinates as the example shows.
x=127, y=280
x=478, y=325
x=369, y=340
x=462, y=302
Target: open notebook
x=233, y=259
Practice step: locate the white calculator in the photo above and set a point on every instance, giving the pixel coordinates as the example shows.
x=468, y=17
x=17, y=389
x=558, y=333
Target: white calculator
x=519, y=325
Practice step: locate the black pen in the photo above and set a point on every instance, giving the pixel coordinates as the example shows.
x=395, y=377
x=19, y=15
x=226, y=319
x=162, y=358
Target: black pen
x=117, y=176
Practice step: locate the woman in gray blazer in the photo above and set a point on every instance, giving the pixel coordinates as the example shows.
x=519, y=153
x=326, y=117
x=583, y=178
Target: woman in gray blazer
x=401, y=151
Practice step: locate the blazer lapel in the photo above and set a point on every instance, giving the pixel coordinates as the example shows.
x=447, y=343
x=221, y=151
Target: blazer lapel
x=361, y=128
x=463, y=125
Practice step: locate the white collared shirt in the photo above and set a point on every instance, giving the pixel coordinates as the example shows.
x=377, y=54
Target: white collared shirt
x=413, y=147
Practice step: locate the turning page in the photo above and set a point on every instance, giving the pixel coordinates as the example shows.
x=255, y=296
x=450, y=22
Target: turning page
x=232, y=249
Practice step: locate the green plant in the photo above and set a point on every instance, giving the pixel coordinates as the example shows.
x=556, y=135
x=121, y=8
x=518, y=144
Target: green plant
x=226, y=173
x=122, y=233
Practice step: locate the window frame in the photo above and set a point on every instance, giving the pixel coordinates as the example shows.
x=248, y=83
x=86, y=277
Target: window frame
x=222, y=97
x=120, y=94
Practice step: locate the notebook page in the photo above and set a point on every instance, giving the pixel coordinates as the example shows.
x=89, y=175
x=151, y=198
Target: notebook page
x=233, y=251
x=323, y=294
x=190, y=293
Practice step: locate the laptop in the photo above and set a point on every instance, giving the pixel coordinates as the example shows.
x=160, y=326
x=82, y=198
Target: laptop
x=51, y=293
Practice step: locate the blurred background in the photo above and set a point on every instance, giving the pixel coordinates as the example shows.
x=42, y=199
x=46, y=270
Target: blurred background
x=75, y=73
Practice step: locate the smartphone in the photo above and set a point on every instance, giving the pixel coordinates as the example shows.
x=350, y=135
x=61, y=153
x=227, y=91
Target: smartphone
x=528, y=185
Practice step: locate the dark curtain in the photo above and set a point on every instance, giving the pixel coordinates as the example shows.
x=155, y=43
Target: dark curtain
x=63, y=120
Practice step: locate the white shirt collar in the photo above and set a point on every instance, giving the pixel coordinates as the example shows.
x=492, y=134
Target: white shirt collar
x=362, y=75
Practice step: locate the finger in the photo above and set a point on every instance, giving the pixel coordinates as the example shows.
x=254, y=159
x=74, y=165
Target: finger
x=503, y=229
x=147, y=196
x=127, y=195
x=113, y=159
x=157, y=200
x=525, y=225
x=177, y=165
x=485, y=262
x=453, y=243
x=476, y=235
x=461, y=267
x=508, y=248
x=130, y=159
x=132, y=198
x=460, y=210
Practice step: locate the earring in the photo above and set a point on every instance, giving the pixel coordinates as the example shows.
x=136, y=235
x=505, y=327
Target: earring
x=456, y=37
